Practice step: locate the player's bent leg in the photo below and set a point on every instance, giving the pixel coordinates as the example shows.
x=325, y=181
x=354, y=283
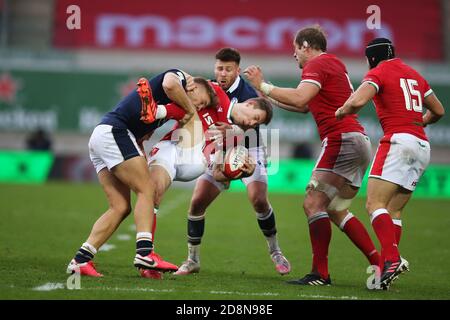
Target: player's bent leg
x=204, y=194
x=357, y=233
x=351, y=225
x=118, y=196
x=134, y=173
x=119, y=201
x=322, y=188
x=395, y=208
x=162, y=180
x=379, y=194
x=257, y=194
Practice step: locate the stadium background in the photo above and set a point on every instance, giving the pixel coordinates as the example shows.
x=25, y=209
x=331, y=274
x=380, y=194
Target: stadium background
x=64, y=80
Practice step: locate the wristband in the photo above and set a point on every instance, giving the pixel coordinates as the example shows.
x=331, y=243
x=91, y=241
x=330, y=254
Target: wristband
x=266, y=88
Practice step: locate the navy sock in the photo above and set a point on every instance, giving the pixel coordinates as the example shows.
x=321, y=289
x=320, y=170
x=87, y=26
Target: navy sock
x=144, y=247
x=196, y=228
x=83, y=256
x=267, y=223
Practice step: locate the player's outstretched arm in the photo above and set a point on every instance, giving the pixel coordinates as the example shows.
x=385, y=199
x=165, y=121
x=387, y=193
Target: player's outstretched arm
x=435, y=110
x=175, y=91
x=357, y=100
x=278, y=104
x=291, y=99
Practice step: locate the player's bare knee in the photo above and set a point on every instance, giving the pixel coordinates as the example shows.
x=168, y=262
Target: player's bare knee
x=334, y=219
x=337, y=216
x=312, y=205
x=197, y=207
x=260, y=203
x=372, y=205
x=395, y=214
x=122, y=209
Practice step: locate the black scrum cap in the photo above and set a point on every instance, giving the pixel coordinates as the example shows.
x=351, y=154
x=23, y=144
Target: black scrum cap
x=379, y=49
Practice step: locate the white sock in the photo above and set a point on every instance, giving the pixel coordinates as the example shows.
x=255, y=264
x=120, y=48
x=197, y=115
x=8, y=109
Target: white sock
x=89, y=247
x=161, y=111
x=194, y=252
x=272, y=243
x=144, y=236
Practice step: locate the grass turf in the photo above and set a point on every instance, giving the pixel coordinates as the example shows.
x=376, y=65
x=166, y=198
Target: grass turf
x=41, y=227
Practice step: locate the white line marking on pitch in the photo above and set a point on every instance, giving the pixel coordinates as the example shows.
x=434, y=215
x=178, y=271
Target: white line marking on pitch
x=55, y=286
x=107, y=247
x=49, y=286
x=237, y=293
x=123, y=237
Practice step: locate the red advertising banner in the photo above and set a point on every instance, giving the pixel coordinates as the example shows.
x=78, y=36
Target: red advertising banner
x=415, y=26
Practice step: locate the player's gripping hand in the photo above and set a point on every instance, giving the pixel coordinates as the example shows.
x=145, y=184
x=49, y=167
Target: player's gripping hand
x=190, y=84
x=248, y=167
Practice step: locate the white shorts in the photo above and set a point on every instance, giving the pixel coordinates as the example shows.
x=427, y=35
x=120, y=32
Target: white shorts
x=401, y=158
x=260, y=174
x=182, y=164
x=110, y=146
x=347, y=155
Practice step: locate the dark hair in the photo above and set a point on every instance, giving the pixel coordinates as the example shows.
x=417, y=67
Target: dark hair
x=263, y=104
x=314, y=36
x=379, y=49
x=228, y=54
x=214, y=100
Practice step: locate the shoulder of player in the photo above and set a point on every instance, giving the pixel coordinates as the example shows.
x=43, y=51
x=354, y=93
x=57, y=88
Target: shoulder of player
x=177, y=72
x=249, y=90
x=323, y=64
x=243, y=92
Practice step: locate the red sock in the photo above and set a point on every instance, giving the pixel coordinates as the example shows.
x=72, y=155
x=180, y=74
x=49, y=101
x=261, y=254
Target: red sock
x=174, y=112
x=398, y=229
x=384, y=229
x=320, y=234
x=358, y=234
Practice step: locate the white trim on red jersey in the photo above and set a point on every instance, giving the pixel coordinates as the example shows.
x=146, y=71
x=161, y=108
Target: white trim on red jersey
x=317, y=83
x=428, y=93
x=374, y=84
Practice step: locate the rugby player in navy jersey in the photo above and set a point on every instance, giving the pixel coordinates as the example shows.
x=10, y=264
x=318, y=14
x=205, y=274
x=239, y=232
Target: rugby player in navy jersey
x=207, y=189
x=122, y=167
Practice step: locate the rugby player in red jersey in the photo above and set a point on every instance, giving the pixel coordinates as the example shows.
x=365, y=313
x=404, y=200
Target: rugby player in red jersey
x=346, y=150
x=400, y=93
x=184, y=154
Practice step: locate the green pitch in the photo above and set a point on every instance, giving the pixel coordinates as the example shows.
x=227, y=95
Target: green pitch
x=41, y=227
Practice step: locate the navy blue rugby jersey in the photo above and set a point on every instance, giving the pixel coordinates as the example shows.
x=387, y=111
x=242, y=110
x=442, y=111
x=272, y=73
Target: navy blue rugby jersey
x=127, y=113
x=242, y=91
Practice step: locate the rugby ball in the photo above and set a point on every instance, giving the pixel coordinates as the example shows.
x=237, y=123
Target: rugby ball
x=233, y=161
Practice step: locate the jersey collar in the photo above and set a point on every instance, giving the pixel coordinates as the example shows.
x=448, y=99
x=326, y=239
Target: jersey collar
x=232, y=104
x=234, y=85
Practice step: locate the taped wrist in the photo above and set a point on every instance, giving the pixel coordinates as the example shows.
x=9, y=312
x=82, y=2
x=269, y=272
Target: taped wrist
x=266, y=88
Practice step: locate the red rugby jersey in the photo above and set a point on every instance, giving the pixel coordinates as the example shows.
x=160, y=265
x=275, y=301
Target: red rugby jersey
x=400, y=94
x=330, y=74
